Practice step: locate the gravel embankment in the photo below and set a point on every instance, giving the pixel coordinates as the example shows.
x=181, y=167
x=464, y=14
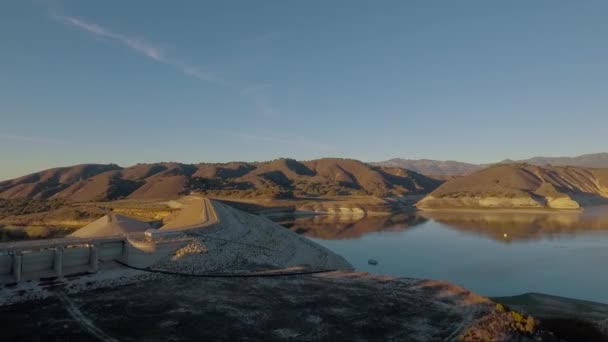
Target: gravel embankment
x=241, y=240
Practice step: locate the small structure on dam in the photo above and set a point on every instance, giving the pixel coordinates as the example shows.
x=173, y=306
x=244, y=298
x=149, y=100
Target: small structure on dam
x=110, y=225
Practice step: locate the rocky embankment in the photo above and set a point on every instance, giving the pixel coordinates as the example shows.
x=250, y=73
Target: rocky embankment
x=241, y=241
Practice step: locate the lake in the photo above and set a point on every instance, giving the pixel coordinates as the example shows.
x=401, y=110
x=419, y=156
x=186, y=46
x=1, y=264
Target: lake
x=490, y=252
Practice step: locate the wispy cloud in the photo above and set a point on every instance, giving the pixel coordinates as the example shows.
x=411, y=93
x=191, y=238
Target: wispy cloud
x=294, y=141
x=23, y=138
x=142, y=47
x=257, y=93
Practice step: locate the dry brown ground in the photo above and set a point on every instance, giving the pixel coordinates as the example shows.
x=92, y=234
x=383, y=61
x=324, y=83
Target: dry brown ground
x=334, y=306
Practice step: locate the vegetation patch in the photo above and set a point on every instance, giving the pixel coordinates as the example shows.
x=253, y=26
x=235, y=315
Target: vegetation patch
x=24, y=206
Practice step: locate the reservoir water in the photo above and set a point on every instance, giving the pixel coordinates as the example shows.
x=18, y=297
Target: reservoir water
x=490, y=252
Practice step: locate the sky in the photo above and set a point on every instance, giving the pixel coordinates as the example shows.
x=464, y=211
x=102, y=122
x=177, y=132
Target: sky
x=215, y=81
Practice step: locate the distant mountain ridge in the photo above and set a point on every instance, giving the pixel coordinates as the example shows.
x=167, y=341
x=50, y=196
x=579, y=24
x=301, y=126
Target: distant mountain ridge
x=597, y=160
x=450, y=168
x=281, y=178
x=433, y=168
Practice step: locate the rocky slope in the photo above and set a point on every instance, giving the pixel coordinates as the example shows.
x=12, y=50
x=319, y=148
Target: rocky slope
x=522, y=186
x=239, y=240
x=282, y=178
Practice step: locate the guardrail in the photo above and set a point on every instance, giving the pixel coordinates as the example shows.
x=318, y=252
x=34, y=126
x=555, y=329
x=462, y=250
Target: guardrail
x=57, y=257
x=50, y=243
x=24, y=260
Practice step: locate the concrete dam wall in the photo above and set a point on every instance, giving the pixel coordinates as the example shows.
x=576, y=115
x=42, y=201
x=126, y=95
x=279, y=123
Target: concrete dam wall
x=25, y=261
x=202, y=237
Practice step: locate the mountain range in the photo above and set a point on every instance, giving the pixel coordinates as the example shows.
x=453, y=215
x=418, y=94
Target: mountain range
x=281, y=178
x=507, y=184
x=450, y=168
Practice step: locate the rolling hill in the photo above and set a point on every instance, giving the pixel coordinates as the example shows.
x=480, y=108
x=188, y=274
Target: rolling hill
x=281, y=178
x=522, y=185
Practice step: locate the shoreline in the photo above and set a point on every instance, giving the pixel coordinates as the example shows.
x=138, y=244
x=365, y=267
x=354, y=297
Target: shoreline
x=503, y=210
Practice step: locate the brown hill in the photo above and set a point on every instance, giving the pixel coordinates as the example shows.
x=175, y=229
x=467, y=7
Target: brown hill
x=169, y=184
x=281, y=178
x=522, y=186
x=142, y=171
x=46, y=183
x=90, y=189
x=228, y=170
x=321, y=177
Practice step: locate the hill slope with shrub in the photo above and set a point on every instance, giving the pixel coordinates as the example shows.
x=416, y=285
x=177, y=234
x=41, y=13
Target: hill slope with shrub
x=522, y=186
x=281, y=178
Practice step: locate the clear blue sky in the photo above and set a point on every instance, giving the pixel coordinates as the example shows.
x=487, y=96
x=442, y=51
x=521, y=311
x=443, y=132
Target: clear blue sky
x=143, y=81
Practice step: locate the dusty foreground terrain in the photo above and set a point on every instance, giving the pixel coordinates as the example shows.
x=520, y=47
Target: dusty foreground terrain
x=339, y=306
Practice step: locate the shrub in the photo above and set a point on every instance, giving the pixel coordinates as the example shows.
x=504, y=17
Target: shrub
x=522, y=323
x=37, y=232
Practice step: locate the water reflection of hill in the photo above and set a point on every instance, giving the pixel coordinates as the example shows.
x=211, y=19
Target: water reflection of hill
x=335, y=227
x=511, y=226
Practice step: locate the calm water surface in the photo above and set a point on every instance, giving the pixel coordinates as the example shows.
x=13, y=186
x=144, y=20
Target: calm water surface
x=491, y=253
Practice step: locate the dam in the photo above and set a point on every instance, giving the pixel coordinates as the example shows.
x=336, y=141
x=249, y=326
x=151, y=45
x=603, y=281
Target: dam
x=202, y=236
x=178, y=273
